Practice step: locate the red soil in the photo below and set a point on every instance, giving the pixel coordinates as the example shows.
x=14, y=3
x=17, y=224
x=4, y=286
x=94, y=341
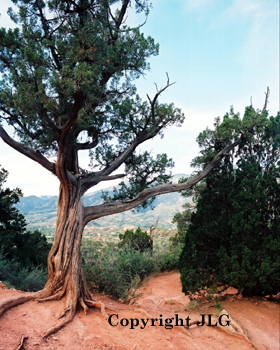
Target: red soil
x=159, y=296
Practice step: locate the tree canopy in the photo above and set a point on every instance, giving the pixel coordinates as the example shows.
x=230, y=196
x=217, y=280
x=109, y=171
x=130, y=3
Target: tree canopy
x=15, y=242
x=67, y=82
x=138, y=240
x=233, y=236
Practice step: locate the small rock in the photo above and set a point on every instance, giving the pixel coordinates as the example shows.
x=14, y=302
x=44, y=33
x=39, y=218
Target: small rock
x=230, y=291
x=239, y=296
x=3, y=286
x=24, y=314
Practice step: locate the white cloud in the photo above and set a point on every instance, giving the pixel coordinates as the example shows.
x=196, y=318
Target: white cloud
x=249, y=8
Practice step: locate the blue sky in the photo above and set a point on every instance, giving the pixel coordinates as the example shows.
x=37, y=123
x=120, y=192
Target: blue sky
x=220, y=53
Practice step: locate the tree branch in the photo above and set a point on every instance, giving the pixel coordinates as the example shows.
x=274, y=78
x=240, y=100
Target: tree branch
x=27, y=151
x=152, y=103
x=79, y=99
x=91, y=180
x=48, y=36
x=87, y=145
x=95, y=212
x=122, y=13
x=139, y=139
x=266, y=100
x=125, y=154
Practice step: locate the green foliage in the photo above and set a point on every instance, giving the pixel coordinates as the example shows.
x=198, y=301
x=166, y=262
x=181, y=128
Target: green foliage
x=138, y=240
x=234, y=235
x=144, y=171
x=182, y=220
x=74, y=64
x=168, y=258
x=16, y=243
x=33, y=248
x=12, y=223
x=27, y=278
x=118, y=271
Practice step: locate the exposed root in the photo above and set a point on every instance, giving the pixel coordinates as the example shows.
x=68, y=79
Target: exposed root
x=69, y=312
x=181, y=329
x=234, y=329
x=100, y=306
x=69, y=318
x=83, y=305
x=58, y=295
x=8, y=303
x=64, y=312
x=21, y=347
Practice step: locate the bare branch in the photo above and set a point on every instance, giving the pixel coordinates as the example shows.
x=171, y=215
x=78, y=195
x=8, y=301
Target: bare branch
x=152, y=103
x=95, y=212
x=27, y=151
x=152, y=229
x=266, y=100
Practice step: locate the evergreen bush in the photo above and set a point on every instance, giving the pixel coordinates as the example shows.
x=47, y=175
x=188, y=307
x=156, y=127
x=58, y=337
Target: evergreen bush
x=234, y=234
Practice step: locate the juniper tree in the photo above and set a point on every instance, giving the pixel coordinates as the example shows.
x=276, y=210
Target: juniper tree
x=233, y=236
x=17, y=244
x=67, y=84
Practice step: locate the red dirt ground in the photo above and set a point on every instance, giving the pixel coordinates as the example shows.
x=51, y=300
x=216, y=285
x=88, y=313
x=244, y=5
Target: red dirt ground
x=159, y=295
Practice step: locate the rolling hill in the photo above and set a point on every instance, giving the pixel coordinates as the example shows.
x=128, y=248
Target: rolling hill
x=40, y=213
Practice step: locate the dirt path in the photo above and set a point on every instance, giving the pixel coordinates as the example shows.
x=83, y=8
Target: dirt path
x=161, y=298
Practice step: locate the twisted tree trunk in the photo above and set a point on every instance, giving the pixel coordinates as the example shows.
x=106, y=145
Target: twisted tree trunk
x=65, y=274
x=64, y=261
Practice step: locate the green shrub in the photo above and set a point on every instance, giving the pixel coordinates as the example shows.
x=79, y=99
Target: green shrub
x=34, y=280
x=27, y=278
x=234, y=235
x=116, y=271
x=15, y=242
x=168, y=258
x=138, y=240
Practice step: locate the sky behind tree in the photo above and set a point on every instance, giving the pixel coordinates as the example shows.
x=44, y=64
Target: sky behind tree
x=219, y=53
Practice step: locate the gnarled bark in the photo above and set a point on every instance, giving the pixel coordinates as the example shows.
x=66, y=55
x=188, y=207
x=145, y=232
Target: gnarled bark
x=66, y=278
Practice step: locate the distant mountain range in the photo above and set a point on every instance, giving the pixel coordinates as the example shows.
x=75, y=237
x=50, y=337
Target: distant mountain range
x=40, y=212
